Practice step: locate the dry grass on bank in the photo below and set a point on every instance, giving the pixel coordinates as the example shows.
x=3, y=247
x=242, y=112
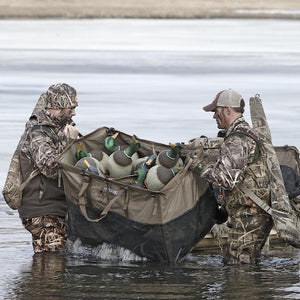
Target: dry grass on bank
x=149, y=9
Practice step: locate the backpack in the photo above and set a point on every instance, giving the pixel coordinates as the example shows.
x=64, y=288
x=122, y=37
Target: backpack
x=15, y=183
x=285, y=216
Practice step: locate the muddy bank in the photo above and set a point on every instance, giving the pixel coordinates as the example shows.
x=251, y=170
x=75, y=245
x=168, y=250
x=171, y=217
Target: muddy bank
x=149, y=9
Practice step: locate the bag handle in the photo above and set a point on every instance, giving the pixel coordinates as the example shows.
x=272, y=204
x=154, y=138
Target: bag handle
x=110, y=203
x=126, y=203
x=83, y=202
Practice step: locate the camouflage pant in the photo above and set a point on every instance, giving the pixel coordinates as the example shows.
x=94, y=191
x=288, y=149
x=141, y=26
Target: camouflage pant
x=246, y=238
x=49, y=233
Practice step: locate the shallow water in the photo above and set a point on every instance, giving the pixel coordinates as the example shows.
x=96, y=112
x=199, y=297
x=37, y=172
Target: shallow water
x=150, y=78
x=82, y=276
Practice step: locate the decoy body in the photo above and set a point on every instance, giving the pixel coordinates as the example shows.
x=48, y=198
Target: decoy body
x=119, y=163
x=170, y=158
x=158, y=176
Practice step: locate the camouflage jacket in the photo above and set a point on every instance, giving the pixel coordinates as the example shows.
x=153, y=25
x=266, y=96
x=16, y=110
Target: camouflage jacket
x=236, y=153
x=241, y=160
x=43, y=145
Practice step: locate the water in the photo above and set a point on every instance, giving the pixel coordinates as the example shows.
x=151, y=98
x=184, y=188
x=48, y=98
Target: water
x=150, y=78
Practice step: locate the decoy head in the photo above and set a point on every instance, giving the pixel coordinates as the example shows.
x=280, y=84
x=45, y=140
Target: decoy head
x=176, y=147
x=135, y=144
x=79, y=147
x=150, y=162
x=109, y=142
x=79, y=153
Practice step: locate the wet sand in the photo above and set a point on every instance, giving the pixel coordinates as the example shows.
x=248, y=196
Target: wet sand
x=150, y=9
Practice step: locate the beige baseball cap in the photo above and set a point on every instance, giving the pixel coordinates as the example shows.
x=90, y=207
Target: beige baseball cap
x=225, y=98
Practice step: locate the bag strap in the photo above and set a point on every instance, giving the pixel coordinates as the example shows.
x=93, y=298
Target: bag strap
x=126, y=203
x=285, y=223
x=256, y=199
x=47, y=129
x=110, y=203
x=82, y=201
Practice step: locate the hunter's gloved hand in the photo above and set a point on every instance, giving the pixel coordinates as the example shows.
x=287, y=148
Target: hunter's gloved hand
x=195, y=160
x=71, y=132
x=197, y=165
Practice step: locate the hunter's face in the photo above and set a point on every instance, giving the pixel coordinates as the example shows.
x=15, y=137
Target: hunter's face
x=220, y=116
x=66, y=114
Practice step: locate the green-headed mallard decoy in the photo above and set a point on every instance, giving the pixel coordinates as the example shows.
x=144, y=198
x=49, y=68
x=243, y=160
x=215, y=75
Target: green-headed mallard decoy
x=119, y=163
x=79, y=154
x=138, y=162
x=91, y=164
x=158, y=176
x=109, y=143
x=143, y=170
x=170, y=158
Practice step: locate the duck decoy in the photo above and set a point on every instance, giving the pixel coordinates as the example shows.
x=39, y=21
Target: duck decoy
x=143, y=170
x=109, y=143
x=79, y=154
x=158, y=176
x=91, y=164
x=170, y=158
x=100, y=156
x=119, y=163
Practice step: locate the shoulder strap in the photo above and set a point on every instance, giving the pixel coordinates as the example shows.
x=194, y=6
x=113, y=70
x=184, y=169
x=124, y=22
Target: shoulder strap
x=240, y=132
x=256, y=199
x=46, y=129
x=259, y=143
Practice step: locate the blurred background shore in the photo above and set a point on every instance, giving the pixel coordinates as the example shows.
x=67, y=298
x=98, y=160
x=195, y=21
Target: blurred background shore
x=12, y=9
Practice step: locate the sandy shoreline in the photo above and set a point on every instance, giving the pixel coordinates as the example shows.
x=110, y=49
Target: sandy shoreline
x=15, y=9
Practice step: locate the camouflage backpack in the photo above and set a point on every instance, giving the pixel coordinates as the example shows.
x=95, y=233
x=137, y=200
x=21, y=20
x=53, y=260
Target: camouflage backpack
x=285, y=216
x=15, y=183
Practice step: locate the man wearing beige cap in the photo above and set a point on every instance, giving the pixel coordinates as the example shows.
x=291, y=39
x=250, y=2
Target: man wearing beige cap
x=241, y=162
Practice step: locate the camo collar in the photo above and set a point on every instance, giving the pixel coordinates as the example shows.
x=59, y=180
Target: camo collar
x=234, y=124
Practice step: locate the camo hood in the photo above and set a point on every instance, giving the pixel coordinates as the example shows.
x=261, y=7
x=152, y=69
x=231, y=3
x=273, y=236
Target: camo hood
x=60, y=96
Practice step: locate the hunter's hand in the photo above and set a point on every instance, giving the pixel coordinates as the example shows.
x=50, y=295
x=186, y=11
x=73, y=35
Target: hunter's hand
x=71, y=132
x=195, y=160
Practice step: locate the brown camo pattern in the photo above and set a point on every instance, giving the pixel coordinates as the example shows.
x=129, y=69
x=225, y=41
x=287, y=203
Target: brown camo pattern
x=59, y=96
x=49, y=233
x=40, y=148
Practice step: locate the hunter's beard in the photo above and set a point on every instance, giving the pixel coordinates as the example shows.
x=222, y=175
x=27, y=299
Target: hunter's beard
x=64, y=117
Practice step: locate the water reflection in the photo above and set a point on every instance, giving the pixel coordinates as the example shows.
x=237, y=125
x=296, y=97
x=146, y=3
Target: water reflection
x=200, y=276
x=45, y=279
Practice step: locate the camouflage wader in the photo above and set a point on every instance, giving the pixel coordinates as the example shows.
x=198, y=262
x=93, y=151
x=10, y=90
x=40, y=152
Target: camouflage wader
x=49, y=233
x=249, y=229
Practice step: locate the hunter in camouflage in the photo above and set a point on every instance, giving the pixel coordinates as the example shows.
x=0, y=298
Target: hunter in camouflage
x=47, y=133
x=241, y=161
